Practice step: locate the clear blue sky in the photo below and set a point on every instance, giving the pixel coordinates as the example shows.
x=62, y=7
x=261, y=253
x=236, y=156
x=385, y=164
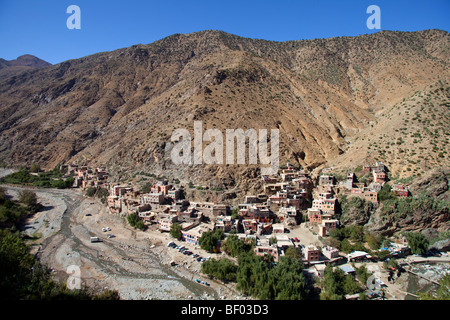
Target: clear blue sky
x=38, y=27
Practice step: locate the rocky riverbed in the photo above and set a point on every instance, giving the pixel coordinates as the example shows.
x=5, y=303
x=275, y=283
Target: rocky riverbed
x=135, y=263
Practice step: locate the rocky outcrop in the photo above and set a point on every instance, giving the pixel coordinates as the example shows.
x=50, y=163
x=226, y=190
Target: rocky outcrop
x=392, y=221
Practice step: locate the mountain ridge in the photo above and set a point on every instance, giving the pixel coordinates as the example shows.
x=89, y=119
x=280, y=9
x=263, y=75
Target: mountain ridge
x=119, y=108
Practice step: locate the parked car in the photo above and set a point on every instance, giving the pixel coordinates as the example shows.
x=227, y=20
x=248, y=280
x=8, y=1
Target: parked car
x=111, y=236
x=103, y=229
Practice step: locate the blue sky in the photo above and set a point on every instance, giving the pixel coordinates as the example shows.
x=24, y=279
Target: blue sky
x=39, y=27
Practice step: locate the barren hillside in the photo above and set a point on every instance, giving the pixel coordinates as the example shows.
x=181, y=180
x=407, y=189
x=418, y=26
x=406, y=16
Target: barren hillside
x=328, y=97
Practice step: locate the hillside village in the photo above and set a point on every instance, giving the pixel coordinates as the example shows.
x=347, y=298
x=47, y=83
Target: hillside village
x=289, y=199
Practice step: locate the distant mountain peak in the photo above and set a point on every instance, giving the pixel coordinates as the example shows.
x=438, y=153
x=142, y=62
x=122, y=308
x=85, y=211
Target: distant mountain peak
x=26, y=62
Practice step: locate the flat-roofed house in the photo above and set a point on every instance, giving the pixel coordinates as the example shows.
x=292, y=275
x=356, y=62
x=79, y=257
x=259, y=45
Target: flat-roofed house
x=267, y=250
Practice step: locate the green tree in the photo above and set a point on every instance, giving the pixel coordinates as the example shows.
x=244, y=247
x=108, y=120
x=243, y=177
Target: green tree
x=134, y=221
x=292, y=252
x=35, y=167
x=209, y=240
x=362, y=273
x=222, y=269
x=2, y=195
x=289, y=279
x=417, y=242
x=386, y=194
x=102, y=194
x=90, y=192
x=29, y=198
x=235, y=213
x=175, y=230
x=350, y=286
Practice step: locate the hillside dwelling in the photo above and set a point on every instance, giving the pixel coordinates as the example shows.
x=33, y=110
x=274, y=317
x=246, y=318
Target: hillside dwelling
x=357, y=191
x=190, y=215
x=283, y=241
x=288, y=175
x=272, y=188
x=174, y=193
x=325, y=195
x=371, y=196
x=348, y=183
x=255, y=212
x=154, y=199
x=192, y=235
x=270, y=180
x=161, y=187
x=251, y=199
x=358, y=256
x=136, y=208
x=320, y=269
x=166, y=221
x=366, y=168
x=379, y=177
x=330, y=252
x=326, y=180
x=325, y=188
x=278, y=228
x=311, y=253
x=118, y=190
x=77, y=182
x=379, y=166
x=302, y=183
x=224, y=223
x=267, y=250
x=374, y=186
x=348, y=269
x=146, y=216
x=210, y=209
x=252, y=226
x=315, y=216
x=287, y=212
x=400, y=190
x=326, y=226
x=325, y=205
x=114, y=204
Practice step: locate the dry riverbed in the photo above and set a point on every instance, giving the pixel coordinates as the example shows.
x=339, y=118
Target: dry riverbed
x=135, y=263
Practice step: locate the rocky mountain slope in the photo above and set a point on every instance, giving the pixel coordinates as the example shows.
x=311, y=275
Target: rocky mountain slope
x=327, y=97
x=23, y=63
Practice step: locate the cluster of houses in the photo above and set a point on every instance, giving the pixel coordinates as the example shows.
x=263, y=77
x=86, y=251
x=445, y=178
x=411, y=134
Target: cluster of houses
x=321, y=214
x=263, y=217
x=86, y=177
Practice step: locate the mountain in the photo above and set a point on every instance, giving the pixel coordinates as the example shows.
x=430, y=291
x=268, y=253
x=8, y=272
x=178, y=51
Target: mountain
x=23, y=63
x=340, y=101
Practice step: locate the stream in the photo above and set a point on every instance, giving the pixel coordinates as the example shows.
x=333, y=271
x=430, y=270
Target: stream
x=434, y=271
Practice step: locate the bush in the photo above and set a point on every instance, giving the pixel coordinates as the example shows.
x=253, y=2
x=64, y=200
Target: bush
x=386, y=194
x=29, y=199
x=417, y=242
